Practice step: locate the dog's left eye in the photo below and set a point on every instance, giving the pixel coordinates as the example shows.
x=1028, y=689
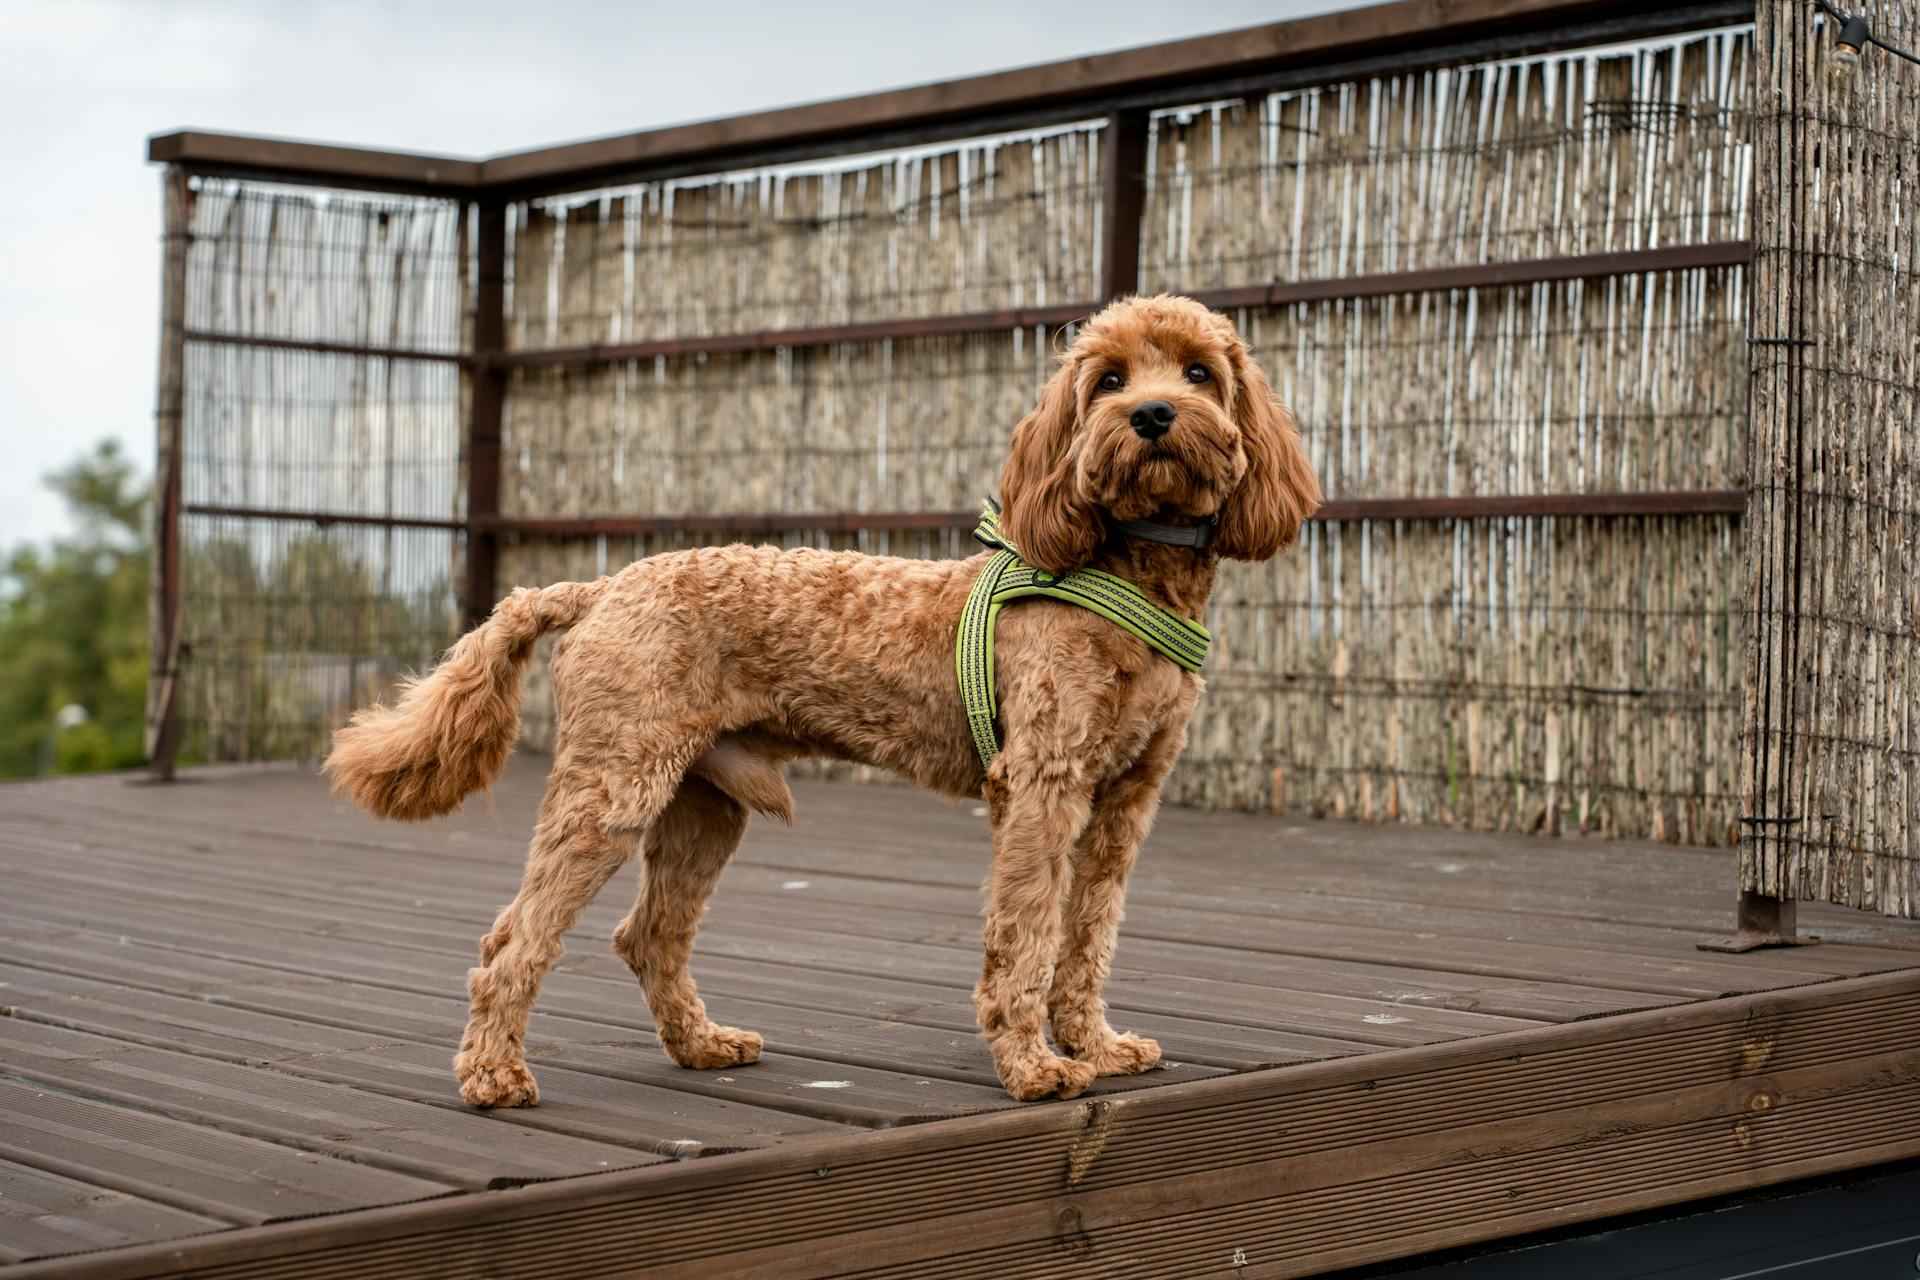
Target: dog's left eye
x=1198, y=374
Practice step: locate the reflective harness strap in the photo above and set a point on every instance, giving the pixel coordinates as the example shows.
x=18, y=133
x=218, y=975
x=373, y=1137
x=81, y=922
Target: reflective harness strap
x=1007, y=577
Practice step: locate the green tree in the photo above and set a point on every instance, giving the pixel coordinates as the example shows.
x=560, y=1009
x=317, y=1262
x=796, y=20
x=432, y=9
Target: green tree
x=73, y=627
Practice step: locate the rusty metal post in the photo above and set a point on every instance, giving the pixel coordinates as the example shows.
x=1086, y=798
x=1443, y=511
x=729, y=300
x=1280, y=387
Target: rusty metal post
x=1761, y=921
x=1123, y=197
x=164, y=584
x=485, y=405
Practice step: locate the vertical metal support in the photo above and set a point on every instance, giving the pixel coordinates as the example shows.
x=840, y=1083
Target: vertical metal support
x=485, y=403
x=164, y=579
x=1761, y=921
x=1123, y=197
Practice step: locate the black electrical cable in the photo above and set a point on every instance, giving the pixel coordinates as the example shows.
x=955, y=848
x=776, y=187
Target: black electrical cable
x=1844, y=20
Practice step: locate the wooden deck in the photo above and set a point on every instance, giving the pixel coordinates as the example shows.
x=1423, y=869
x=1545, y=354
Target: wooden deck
x=233, y=1003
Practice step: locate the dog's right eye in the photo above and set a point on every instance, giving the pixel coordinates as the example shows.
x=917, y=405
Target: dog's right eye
x=1111, y=382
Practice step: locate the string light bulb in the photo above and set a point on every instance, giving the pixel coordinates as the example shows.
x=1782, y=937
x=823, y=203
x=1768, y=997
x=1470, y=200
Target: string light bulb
x=1854, y=36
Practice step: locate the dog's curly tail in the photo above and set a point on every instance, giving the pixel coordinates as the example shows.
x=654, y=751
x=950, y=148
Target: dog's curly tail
x=451, y=731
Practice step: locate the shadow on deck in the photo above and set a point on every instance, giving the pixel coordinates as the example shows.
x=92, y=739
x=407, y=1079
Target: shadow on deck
x=234, y=1002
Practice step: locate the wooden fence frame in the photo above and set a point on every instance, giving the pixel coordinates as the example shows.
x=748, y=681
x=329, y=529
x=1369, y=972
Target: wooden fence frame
x=1120, y=88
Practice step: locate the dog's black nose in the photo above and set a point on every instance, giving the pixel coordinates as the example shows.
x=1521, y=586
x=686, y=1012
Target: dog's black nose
x=1152, y=418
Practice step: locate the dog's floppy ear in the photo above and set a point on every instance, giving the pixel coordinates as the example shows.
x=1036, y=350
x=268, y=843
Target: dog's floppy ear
x=1279, y=491
x=1043, y=513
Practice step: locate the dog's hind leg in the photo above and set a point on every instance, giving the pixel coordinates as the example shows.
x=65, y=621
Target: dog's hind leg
x=686, y=849
x=573, y=854
x=1122, y=815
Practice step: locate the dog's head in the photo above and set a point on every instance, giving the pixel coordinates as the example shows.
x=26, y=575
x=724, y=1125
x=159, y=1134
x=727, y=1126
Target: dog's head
x=1157, y=410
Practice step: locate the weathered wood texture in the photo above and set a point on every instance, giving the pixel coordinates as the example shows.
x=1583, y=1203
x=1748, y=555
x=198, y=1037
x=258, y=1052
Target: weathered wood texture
x=230, y=1006
x=1830, y=745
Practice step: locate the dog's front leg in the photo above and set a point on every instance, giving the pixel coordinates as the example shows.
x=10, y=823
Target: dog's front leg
x=1037, y=818
x=1122, y=815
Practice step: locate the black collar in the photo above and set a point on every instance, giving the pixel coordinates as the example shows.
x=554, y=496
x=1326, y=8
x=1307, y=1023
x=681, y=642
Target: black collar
x=1174, y=535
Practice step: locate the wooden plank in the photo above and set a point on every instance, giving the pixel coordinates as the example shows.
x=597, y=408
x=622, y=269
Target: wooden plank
x=642, y=1099
x=459, y=1148
x=1436, y=1147
x=200, y=1170
x=1292, y=1012
x=910, y=1027
x=1357, y=1012
x=201, y=151
x=43, y=1214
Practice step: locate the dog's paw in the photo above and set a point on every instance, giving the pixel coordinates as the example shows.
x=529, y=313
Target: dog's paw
x=715, y=1046
x=497, y=1084
x=1121, y=1055
x=1045, y=1076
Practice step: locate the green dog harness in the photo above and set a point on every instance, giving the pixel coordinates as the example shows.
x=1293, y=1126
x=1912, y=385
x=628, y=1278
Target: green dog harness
x=1007, y=577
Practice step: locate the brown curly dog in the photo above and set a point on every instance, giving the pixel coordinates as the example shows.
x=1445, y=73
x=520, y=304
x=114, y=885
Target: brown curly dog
x=687, y=678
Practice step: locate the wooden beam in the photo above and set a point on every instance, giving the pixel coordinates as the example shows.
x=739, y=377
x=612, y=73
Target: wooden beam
x=1483, y=275
x=282, y=159
x=1524, y=506
x=319, y=518
x=1123, y=196
x=162, y=734
x=325, y=348
x=1430, y=1148
x=1402, y=35
x=486, y=401
x=1086, y=86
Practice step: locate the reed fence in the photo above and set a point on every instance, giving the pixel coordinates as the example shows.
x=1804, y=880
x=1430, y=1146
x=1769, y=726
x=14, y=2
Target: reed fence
x=1499, y=270
x=1830, y=743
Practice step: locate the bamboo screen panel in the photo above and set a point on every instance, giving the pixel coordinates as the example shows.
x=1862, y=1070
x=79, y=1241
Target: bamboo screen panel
x=982, y=226
x=1576, y=153
x=1831, y=742
x=908, y=424
x=1542, y=673
x=286, y=624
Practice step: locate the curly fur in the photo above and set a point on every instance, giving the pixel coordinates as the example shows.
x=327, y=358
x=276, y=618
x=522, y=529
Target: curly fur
x=686, y=679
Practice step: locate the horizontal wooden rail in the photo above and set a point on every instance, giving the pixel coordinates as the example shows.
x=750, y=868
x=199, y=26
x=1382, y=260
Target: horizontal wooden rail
x=1334, y=288
x=321, y=518
x=771, y=522
x=1664, y=502
x=1407, y=35
x=815, y=336
x=1677, y=502
x=1521, y=506
x=325, y=348
x=1483, y=275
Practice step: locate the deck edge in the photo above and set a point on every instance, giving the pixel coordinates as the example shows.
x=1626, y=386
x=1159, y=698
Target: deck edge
x=1662, y=1107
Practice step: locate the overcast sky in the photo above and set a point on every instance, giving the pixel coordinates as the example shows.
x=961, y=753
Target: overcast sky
x=85, y=81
